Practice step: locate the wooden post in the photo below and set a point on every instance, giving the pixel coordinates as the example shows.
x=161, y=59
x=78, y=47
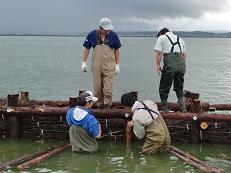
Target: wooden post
x=24, y=100
x=195, y=131
x=12, y=100
x=72, y=102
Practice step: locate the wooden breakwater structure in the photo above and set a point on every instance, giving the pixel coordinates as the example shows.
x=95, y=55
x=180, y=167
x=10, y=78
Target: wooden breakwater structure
x=21, y=117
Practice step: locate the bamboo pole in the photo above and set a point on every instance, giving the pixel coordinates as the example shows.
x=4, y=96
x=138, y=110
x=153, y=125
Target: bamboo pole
x=23, y=159
x=43, y=157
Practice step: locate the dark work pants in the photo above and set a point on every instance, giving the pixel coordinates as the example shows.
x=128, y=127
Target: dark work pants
x=173, y=72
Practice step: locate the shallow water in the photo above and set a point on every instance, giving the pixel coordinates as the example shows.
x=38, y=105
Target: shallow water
x=49, y=68
x=112, y=157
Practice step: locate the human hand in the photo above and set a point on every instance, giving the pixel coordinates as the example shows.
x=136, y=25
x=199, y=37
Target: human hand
x=130, y=123
x=84, y=67
x=158, y=69
x=117, y=69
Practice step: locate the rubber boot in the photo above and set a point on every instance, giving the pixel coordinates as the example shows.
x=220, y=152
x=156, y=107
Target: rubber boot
x=182, y=104
x=165, y=106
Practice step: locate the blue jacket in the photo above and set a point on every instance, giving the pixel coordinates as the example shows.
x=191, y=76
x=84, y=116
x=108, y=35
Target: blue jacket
x=83, y=117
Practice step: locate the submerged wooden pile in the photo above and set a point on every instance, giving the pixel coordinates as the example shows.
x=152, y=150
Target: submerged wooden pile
x=45, y=119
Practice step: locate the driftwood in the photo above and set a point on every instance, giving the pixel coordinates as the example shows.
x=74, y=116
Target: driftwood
x=23, y=159
x=42, y=157
x=193, y=160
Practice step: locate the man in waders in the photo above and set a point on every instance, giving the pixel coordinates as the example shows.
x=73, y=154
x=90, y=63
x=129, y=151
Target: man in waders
x=84, y=127
x=172, y=48
x=105, y=60
x=147, y=123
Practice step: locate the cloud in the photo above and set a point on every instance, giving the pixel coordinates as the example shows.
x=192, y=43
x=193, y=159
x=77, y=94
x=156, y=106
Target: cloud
x=73, y=16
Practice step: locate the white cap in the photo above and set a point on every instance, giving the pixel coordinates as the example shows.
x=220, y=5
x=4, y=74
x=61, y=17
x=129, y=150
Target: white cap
x=159, y=29
x=106, y=24
x=89, y=96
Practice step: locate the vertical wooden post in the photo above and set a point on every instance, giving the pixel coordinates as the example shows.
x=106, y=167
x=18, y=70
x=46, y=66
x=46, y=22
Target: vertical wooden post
x=195, y=131
x=72, y=102
x=24, y=100
x=12, y=101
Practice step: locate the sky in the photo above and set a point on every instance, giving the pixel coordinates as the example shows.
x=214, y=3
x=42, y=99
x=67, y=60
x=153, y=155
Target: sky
x=75, y=16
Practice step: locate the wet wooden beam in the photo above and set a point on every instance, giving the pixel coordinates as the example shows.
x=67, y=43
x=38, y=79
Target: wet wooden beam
x=193, y=160
x=23, y=159
x=111, y=113
x=43, y=157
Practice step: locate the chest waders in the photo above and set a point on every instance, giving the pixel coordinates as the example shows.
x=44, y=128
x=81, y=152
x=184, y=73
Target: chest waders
x=157, y=135
x=81, y=141
x=103, y=69
x=173, y=71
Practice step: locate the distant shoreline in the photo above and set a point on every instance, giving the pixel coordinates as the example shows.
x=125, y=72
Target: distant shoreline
x=199, y=34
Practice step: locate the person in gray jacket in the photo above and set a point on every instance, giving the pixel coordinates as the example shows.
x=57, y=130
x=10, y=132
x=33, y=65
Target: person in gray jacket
x=147, y=123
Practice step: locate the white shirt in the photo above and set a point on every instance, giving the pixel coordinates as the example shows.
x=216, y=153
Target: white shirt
x=164, y=45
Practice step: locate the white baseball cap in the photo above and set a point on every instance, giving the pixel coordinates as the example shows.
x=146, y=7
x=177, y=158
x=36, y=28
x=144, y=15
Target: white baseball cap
x=88, y=96
x=159, y=29
x=106, y=24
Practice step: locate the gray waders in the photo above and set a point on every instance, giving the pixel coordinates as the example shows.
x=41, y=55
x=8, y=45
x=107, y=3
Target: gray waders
x=81, y=141
x=173, y=71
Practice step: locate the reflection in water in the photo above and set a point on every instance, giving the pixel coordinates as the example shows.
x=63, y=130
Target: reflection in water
x=113, y=157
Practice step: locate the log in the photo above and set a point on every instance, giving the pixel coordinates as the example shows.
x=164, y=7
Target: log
x=43, y=157
x=112, y=114
x=23, y=159
x=193, y=160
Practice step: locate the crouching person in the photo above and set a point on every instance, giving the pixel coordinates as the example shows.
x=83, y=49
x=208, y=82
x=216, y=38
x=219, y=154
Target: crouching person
x=147, y=123
x=84, y=127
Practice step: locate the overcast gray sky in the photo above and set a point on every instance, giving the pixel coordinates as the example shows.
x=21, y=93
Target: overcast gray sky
x=73, y=16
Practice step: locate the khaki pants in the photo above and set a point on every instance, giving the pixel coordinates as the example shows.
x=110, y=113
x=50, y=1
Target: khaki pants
x=103, y=69
x=157, y=137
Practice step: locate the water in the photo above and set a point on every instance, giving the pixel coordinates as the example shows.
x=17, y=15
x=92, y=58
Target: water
x=112, y=157
x=49, y=68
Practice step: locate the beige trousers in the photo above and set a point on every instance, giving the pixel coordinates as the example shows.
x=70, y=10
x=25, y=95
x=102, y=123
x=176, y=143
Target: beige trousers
x=103, y=69
x=157, y=137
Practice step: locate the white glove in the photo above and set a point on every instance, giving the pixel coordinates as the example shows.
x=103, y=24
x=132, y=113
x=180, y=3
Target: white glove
x=117, y=69
x=84, y=67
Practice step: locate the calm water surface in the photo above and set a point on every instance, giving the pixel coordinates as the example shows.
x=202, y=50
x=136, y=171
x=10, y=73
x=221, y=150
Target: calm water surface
x=112, y=157
x=49, y=68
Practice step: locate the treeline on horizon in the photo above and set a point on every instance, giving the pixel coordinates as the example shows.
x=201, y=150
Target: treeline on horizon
x=139, y=34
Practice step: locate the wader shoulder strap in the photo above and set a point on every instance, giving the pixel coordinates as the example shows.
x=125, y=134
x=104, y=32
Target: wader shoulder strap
x=99, y=40
x=148, y=109
x=173, y=44
x=98, y=37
